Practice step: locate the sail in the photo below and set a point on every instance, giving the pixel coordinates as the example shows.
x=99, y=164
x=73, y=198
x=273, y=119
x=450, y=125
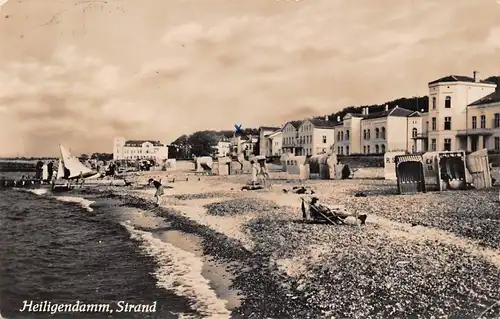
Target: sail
x=73, y=164
x=60, y=170
x=45, y=172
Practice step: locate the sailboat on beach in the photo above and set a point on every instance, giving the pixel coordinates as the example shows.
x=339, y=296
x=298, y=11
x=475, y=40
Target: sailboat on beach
x=70, y=168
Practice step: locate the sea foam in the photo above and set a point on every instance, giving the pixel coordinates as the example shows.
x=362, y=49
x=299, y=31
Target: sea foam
x=181, y=271
x=85, y=203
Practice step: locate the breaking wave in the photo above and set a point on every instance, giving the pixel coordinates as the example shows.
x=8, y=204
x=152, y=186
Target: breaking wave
x=181, y=272
x=85, y=203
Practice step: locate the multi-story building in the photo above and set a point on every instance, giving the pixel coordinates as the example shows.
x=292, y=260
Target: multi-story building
x=315, y=137
x=375, y=133
x=276, y=140
x=290, y=135
x=265, y=146
x=483, y=123
x=449, y=100
x=139, y=149
x=223, y=148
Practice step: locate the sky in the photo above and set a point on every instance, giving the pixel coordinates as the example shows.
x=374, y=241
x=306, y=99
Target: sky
x=83, y=72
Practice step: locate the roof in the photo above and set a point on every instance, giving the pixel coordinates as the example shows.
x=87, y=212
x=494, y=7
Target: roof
x=269, y=128
x=322, y=123
x=458, y=78
x=488, y=99
x=295, y=124
x=275, y=133
x=396, y=111
x=138, y=143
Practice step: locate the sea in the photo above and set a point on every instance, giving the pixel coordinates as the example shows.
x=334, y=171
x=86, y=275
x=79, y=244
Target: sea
x=65, y=249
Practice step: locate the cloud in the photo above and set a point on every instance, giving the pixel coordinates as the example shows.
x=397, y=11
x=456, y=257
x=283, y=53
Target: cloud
x=137, y=70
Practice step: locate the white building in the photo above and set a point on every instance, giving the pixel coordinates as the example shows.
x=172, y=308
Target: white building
x=315, y=137
x=223, y=148
x=139, y=149
x=265, y=146
x=290, y=135
x=448, y=120
x=276, y=140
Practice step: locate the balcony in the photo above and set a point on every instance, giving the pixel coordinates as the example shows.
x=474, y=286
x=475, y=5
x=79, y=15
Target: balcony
x=420, y=136
x=475, y=131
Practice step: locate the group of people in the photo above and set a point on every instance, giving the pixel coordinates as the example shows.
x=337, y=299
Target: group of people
x=260, y=174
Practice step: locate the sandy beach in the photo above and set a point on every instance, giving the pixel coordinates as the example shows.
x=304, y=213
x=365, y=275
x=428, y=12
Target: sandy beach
x=423, y=255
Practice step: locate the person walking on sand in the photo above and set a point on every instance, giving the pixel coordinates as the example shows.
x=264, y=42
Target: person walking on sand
x=159, y=190
x=255, y=171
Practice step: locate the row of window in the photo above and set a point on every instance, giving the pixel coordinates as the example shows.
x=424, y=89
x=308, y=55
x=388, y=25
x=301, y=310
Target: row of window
x=379, y=133
x=447, y=122
x=305, y=139
x=447, y=102
x=447, y=144
x=379, y=149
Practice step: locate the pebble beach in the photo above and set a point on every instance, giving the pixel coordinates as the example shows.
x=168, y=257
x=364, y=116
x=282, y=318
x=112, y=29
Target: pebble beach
x=431, y=255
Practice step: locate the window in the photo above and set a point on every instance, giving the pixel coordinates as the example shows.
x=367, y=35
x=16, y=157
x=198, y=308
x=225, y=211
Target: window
x=447, y=144
x=377, y=149
x=364, y=134
x=364, y=149
x=347, y=150
x=433, y=123
x=413, y=148
x=338, y=150
x=483, y=121
x=447, y=123
x=497, y=143
x=383, y=148
x=342, y=135
x=414, y=132
x=368, y=149
x=427, y=126
x=338, y=136
x=368, y=133
x=342, y=150
x=324, y=138
x=383, y=132
x=433, y=144
x=346, y=135
x=474, y=122
x=496, y=121
x=447, y=102
x=377, y=133
x=434, y=103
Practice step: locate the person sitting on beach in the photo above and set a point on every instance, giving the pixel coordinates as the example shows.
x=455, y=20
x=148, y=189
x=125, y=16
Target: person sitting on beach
x=318, y=211
x=159, y=190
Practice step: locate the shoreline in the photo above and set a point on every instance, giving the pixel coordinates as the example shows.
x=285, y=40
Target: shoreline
x=281, y=266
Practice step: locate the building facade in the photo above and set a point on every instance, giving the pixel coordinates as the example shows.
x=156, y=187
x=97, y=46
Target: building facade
x=139, y=149
x=265, y=145
x=276, y=140
x=290, y=134
x=223, y=148
x=315, y=137
x=448, y=116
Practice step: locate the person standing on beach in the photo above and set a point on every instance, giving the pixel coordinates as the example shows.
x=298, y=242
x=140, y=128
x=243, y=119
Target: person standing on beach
x=255, y=171
x=159, y=190
x=50, y=169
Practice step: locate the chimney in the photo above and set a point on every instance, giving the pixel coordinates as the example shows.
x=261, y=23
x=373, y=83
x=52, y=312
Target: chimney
x=476, y=76
x=326, y=117
x=366, y=111
x=338, y=118
x=387, y=107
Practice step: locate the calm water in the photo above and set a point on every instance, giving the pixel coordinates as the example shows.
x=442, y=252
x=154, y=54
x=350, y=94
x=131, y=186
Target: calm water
x=59, y=252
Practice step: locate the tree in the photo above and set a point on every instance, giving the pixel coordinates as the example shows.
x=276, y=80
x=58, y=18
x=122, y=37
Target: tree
x=101, y=156
x=181, y=140
x=203, y=143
